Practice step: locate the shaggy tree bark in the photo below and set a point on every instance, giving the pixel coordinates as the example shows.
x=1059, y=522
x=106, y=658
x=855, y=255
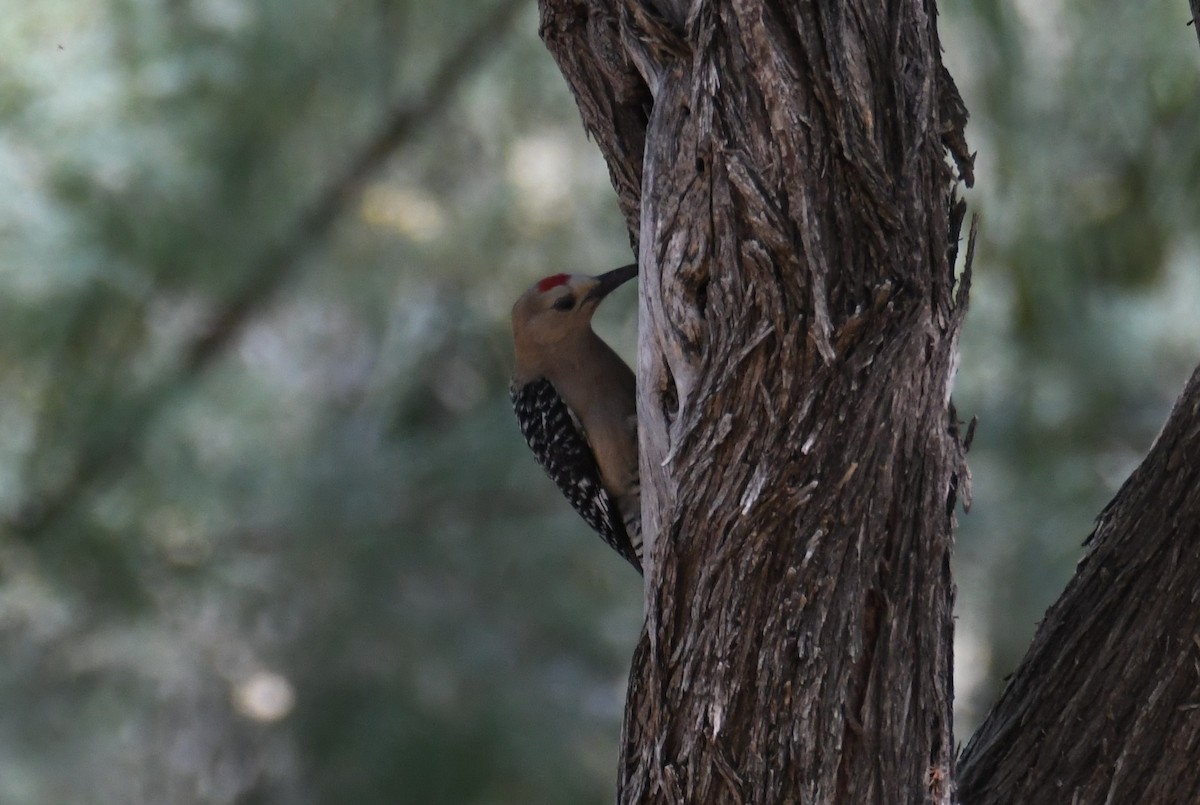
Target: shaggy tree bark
x=1105, y=707
x=784, y=170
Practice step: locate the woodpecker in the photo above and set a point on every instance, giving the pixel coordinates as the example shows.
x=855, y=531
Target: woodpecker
x=576, y=404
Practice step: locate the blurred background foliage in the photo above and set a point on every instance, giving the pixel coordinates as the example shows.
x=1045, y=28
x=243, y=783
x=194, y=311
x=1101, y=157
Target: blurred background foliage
x=268, y=532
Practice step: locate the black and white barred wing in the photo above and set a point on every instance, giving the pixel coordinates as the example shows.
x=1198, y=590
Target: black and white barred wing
x=559, y=445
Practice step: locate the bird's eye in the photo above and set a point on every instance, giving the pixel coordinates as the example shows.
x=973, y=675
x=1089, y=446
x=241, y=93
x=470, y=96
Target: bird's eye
x=566, y=303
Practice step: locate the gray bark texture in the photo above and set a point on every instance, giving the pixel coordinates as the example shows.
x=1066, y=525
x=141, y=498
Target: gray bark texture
x=1105, y=706
x=788, y=172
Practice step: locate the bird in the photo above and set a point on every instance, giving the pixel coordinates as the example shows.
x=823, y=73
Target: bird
x=576, y=403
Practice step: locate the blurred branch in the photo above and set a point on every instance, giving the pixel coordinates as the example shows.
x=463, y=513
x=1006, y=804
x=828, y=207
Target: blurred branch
x=265, y=277
x=1195, y=4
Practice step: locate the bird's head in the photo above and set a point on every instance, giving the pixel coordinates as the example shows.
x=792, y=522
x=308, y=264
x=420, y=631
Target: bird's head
x=560, y=307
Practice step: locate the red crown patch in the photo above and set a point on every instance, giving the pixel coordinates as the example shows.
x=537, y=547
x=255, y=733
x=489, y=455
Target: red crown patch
x=553, y=282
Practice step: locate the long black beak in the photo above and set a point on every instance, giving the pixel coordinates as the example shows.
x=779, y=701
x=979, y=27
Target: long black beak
x=609, y=281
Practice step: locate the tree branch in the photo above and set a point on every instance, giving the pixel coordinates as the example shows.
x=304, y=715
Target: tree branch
x=264, y=278
x=1105, y=706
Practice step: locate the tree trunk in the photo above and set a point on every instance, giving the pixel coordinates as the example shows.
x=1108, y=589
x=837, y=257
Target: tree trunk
x=786, y=168
x=1105, y=707
x=782, y=167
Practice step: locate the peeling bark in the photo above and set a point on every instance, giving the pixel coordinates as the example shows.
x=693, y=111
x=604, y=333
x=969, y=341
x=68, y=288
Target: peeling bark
x=785, y=170
x=1105, y=706
x=585, y=40
x=797, y=227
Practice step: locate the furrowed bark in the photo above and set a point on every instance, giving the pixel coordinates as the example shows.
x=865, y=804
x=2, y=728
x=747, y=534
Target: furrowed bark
x=584, y=39
x=1105, y=706
x=799, y=455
